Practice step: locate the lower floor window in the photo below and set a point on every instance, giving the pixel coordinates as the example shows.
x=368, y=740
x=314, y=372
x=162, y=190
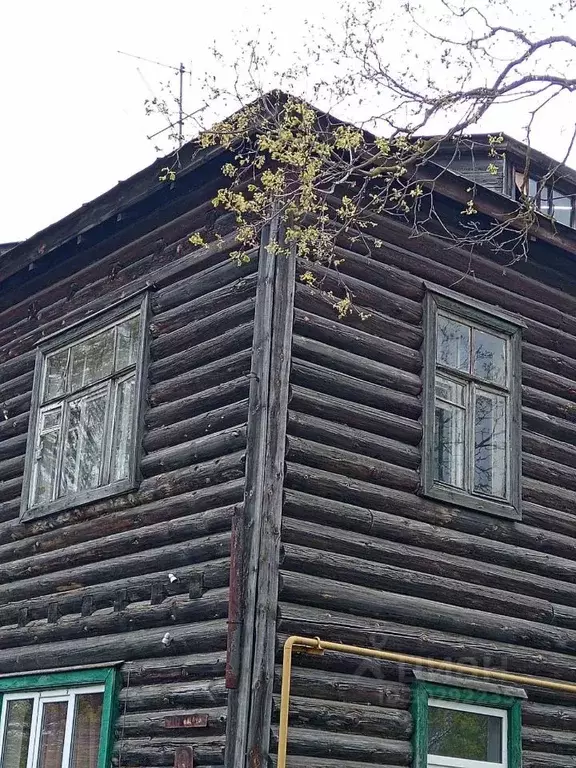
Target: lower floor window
x=462, y=728
x=56, y=725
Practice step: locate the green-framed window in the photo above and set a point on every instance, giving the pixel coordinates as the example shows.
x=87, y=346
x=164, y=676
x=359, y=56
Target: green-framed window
x=57, y=720
x=462, y=728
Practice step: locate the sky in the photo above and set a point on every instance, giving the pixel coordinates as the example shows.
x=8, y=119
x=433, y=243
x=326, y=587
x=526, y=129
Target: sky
x=72, y=121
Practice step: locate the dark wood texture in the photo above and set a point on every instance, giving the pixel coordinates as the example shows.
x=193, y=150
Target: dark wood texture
x=143, y=577
x=367, y=560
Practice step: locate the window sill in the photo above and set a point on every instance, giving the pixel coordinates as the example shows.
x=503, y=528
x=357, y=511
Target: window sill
x=460, y=499
x=79, y=499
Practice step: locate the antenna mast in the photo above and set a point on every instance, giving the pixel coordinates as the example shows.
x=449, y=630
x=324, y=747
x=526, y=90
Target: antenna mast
x=180, y=71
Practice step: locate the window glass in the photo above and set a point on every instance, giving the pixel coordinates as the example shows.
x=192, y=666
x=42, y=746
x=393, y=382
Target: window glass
x=468, y=403
x=490, y=444
x=86, y=738
x=60, y=729
x=562, y=209
x=83, y=455
x=52, y=734
x=16, y=735
x=92, y=360
x=463, y=734
x=127, y=343
x=449, y=433
x=86, y=417
x=123, y=426
x=453, y=344
x=489, y=357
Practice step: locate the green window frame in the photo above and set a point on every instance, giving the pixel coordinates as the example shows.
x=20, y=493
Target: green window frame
x=508, y=706
x=106, y=679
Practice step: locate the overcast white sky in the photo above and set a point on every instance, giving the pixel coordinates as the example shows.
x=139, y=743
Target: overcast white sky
x=72, y=117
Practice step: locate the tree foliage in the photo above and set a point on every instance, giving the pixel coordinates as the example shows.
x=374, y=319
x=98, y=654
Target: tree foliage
x=405, y=78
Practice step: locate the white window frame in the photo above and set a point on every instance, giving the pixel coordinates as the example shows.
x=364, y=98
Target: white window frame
x=135, y=306
x=39, y=698
x=440, y=761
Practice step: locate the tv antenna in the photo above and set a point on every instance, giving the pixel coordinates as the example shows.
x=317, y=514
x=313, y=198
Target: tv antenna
x=180, y=71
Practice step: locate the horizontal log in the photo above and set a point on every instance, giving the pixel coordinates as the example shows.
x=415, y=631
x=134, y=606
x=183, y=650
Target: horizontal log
x=295, y=761
x=228, y=416
x=470, y=534
x=16, y=406
x=545, y=493
x=427, y=561
x=153, y=723
x=551, y=383
x=207, y=352
x=191, y=452
x=549, y=360
x=560, y=429
x=149, y=586
x=226, y=393
x=198, y=380
x=11, y=426
x=548, y=716
x=12, y=447
x=557, y=742
x=174, y=695
x=349, y=464
x=10, y=388
x=546, y=447
x=405, y=580
x=155, y=751
x=364, y=686
x=137, y=644
x=11, y=468
x=310, y=299
x=420, y=612
x=94, y=295
x=157, y=521
x=338, y=335
x=175, y=610
x=343, y=717
x=532, y=759
x=72, y=568
x=475, y=276
x=10, y=489
x=199, y=331
x=356, y=440
x=356, y=365
x=317, y=743
x=337, y=626
x=362, y=293
x=173, y=669
x=355, y=415
x=18, y=365
x=211, y=291
x=380, y=274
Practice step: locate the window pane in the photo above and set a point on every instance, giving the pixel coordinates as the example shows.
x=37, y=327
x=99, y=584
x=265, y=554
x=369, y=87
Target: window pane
x=562, y=210
x=449, y=390
x=84, y=443
x=453, y=344
x=17, y=733
x=545, y=199
x=490, y=444
x=45, y=475
x=55, y=378
x=489, y=357
x=92, y=359
x=52, y=731
x=86, y=738
x=449, y=444
x=123, y=424
x=464, y=735
x=532, y=188
x=126, y=343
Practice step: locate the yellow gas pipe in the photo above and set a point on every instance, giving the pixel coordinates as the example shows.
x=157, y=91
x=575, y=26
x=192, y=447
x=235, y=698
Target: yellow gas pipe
x=312, y=644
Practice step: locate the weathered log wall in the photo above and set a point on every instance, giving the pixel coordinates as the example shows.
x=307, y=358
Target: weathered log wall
x=92, y=584
x=367, y=560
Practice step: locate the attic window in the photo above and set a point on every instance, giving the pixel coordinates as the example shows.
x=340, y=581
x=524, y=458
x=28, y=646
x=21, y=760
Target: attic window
x=85, y=412
x=548, y=199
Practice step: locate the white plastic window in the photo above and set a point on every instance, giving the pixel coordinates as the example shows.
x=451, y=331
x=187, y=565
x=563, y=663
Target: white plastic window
x=51, y=729
x=466, y=735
